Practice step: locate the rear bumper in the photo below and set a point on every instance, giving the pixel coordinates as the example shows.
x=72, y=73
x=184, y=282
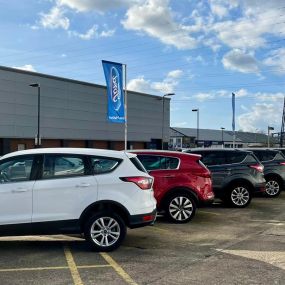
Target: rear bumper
x=137, y=221
x=259, y=188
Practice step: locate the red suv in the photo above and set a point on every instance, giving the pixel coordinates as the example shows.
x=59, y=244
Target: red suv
x=181, y=182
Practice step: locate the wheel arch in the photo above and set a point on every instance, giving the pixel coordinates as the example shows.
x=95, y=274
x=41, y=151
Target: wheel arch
x=178, y=190
x=105, y=205
x=241, y=181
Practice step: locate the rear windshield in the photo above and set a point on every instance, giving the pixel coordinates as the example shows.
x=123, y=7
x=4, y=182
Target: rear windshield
x=279, y=156
x=251, y=158
x=137, y=164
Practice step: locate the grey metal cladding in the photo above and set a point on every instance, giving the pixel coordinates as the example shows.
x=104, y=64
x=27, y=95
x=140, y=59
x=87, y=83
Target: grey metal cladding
x=73, y=110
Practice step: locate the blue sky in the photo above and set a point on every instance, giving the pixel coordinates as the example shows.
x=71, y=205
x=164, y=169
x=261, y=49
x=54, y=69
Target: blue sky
x=200, y=50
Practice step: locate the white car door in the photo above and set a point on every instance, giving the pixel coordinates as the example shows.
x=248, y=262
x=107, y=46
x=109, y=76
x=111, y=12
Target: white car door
x=64, y=190
x=16, y=190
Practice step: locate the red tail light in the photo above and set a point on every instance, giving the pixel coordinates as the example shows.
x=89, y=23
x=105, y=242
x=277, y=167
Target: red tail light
x=282, y=163
x=145, y=183
x=257, y=167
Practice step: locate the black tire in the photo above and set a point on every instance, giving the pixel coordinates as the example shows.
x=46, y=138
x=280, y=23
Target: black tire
x=109, y=231
x=239, y=195
x=273, y=187
x=180, y=208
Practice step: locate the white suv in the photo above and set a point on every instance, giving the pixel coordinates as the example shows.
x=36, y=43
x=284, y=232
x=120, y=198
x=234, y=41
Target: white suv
x=68, y=190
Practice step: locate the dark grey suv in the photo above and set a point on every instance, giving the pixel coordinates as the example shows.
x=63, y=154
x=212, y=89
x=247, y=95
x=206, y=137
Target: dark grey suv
x=236, y=174
x=274, y=170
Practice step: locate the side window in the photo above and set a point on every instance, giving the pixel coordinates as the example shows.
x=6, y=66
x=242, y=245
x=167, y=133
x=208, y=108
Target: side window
x=215, y=158
x=235, y=157
x=156, y=162
x=268, y=155
x=251, y=158
x=259, y=155
x=102, y=165
x=56, y=166
x=150, y=162
x=169, y=162
x=16, y=169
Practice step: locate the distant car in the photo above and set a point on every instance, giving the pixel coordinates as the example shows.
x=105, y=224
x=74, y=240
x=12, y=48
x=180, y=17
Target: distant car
x=68, y=190
x=237, y=174
x=181, y=182
x=274, y=170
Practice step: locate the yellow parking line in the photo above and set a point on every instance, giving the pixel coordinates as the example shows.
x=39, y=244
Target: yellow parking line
x=118, y=269
x=159, y=229
x=52, y=268
x=72, y=267
x=93, y=266
x=34, y=269
x=212, y=213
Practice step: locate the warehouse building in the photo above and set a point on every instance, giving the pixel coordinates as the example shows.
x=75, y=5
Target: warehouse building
x=73, y=114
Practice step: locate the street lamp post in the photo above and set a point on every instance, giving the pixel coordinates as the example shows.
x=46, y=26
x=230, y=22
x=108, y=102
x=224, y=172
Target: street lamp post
x=162, y=130
x=38, y=142
x=197, y=110
x=268, y=130
x=222, y=136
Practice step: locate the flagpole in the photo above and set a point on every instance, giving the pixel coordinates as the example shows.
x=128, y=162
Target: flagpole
x=126, y=109
x=234, y=120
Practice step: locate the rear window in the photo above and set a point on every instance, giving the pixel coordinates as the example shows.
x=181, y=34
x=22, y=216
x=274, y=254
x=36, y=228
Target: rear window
x=265, y=155
x=251, y=158
x=137, y=164
x=279, y=156
x=235, y=157
x=102, y=165
x=157, y=162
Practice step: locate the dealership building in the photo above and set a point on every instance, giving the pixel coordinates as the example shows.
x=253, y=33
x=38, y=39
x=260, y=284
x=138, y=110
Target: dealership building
x=74, y=114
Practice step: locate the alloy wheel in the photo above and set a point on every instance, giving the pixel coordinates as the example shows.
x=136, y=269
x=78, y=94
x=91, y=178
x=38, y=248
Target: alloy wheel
x=105, y=231
x=180, y=208
x=240, y=196
x=272, y=187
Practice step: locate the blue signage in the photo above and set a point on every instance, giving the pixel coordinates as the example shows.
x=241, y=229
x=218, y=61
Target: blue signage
x=114, y=80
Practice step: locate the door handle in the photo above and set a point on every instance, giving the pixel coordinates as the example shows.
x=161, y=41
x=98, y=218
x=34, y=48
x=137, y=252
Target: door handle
x=82, y=185
x=20, y=190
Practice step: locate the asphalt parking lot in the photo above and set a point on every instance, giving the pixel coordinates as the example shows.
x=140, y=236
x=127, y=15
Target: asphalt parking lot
x=219, y=246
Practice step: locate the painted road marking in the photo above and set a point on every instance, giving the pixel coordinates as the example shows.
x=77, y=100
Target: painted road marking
x=72, y=266
x=53, y=268
x=212, y=213
x=118, y=268
x=275, y=258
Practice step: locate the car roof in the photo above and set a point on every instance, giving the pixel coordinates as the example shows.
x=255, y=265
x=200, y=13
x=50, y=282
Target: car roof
x=67, y=150
x=220, y=149
x=165, y=152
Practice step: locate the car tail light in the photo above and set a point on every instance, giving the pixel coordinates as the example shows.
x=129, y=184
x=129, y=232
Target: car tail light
x=282, y=163
x=144, y=183
x=257, y=167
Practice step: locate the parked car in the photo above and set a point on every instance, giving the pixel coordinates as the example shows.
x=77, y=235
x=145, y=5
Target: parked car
x=237, y=174
x=181, y=182
x=274, y=170
x=68, y=190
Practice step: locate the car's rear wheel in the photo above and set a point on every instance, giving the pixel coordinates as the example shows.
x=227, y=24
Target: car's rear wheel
x=180, y=208
x=272, y=187
x=239, y=196
x=105, y=231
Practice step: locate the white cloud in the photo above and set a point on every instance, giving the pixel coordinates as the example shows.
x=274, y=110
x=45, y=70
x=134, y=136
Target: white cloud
x=154, y=17
x=167, y=85
x=27, y=67
x=95, y=5
x=240, y=61
x=180, y=124
x=92, y=33
x=260, y=115
x=204, y=96
x=139, y=84
x=54, y=19
x=276, y=59
x=255, y=22
x=175, y=73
